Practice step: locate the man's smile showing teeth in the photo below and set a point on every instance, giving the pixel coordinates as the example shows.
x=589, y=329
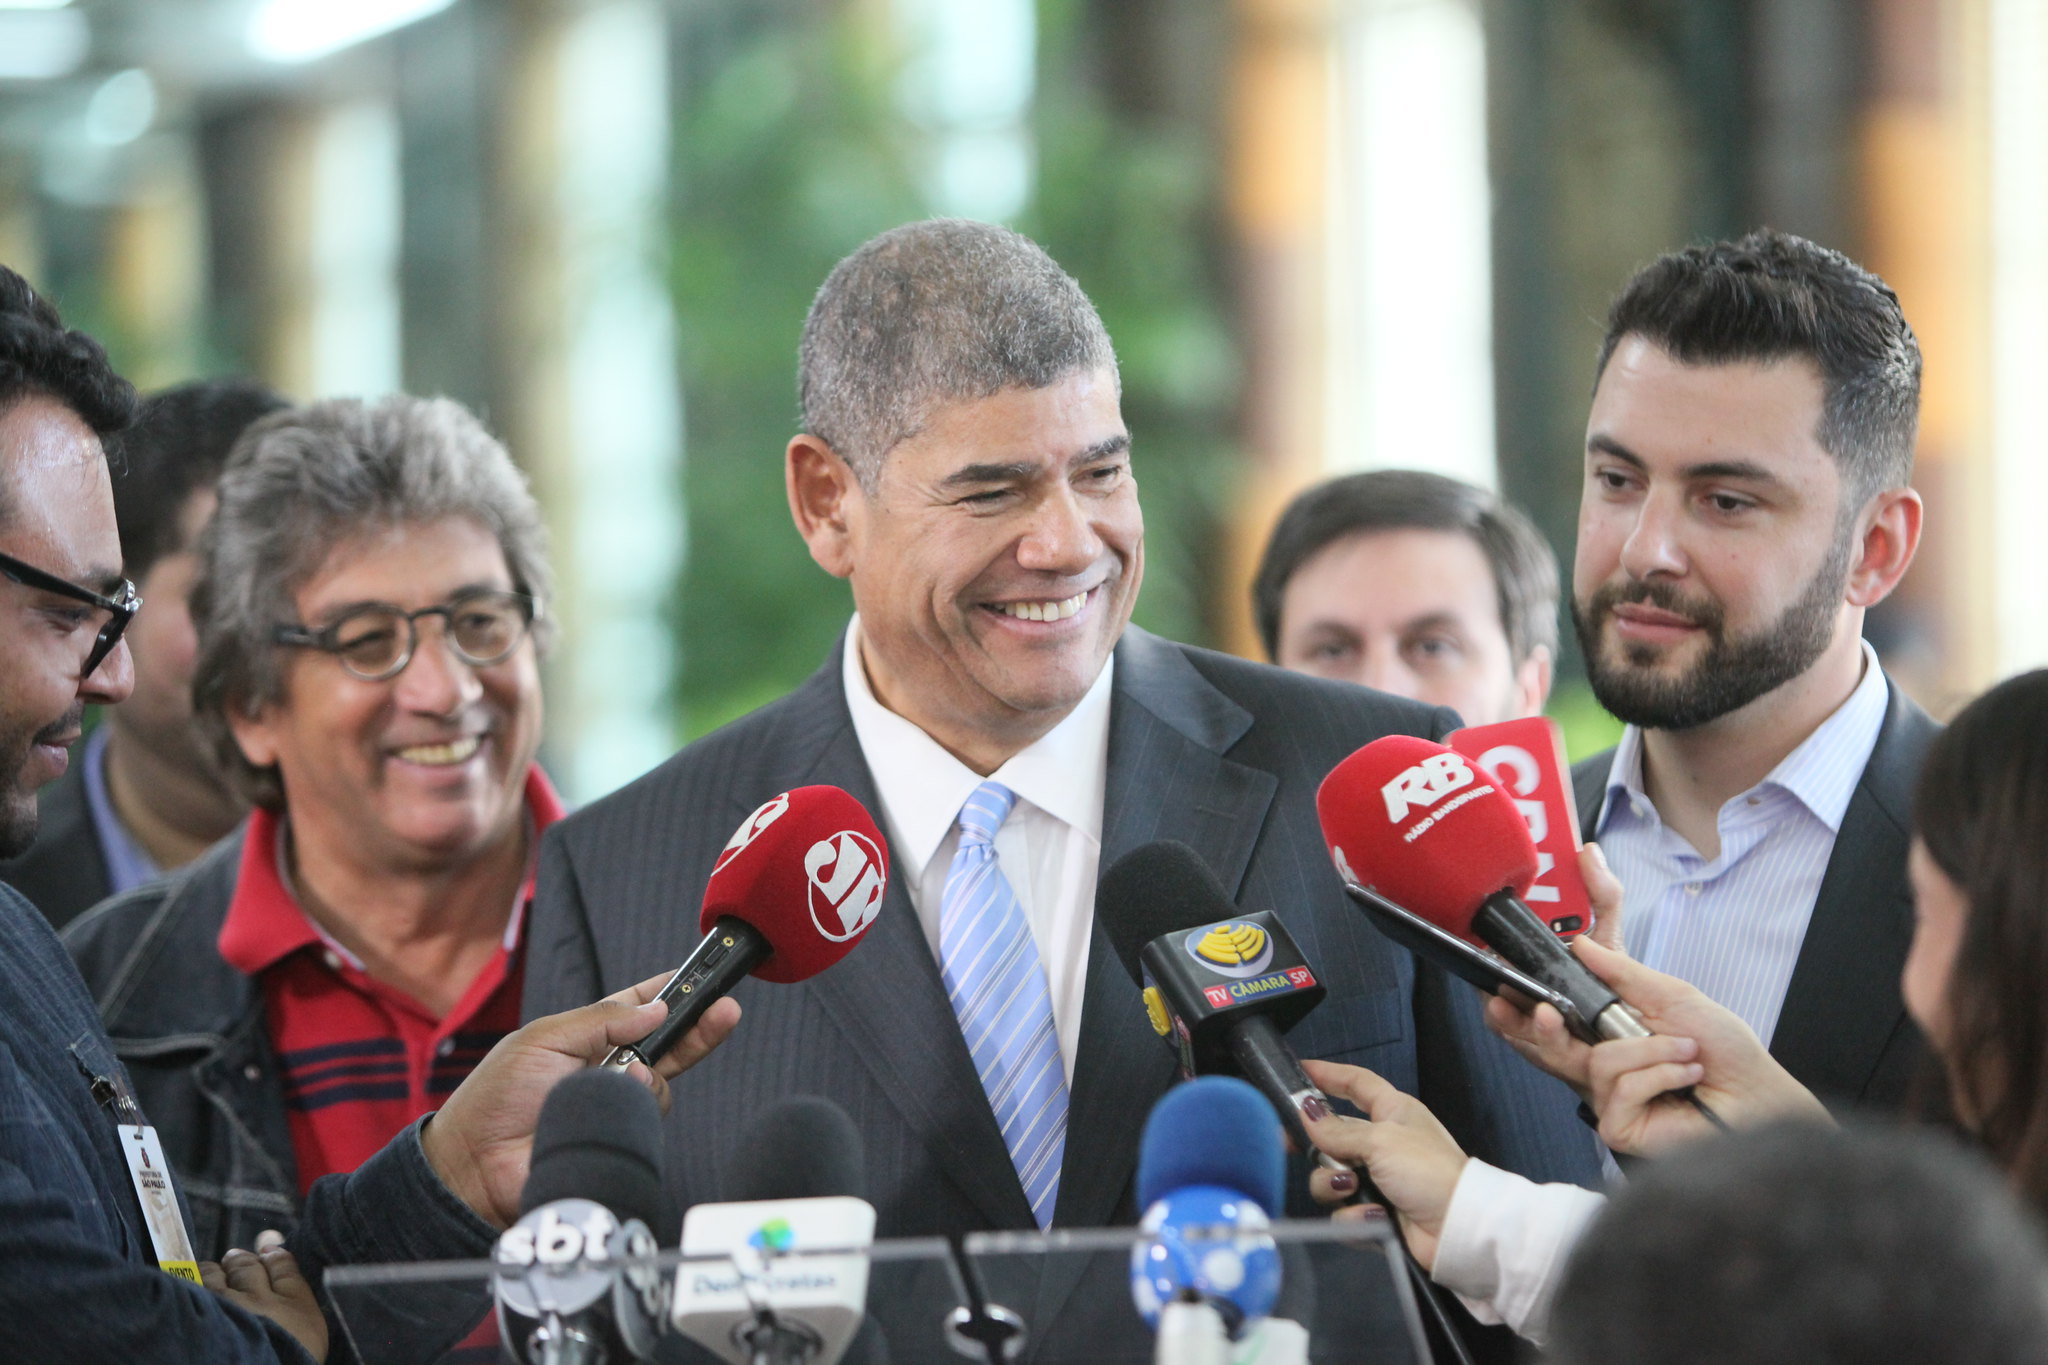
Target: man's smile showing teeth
x=441, y=755
x=1043, y=611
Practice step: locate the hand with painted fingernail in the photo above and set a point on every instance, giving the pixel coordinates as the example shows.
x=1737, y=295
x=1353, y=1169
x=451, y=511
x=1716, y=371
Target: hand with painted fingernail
x=1413, y=1161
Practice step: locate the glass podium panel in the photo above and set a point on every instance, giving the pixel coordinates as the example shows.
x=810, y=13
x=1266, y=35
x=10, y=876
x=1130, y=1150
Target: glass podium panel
x=930, y=1303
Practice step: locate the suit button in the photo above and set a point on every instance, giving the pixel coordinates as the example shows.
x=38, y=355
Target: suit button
x=252, y=1073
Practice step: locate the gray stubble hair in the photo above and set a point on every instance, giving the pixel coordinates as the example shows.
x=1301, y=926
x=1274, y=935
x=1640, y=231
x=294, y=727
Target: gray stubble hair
x=931, y=313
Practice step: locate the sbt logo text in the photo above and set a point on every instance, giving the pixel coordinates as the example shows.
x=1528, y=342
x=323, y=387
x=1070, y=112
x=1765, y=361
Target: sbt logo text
x=552, y=1240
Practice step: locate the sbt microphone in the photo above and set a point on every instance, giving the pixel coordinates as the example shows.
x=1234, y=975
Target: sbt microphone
x=796, y=887
x=1437, y=852
x=573, y=1279
x=1220, y=984
x=780, y=1275
x=1211, y=1171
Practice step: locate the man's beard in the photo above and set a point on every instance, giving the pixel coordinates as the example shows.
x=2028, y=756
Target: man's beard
x=18, y=802
x=1734, y=671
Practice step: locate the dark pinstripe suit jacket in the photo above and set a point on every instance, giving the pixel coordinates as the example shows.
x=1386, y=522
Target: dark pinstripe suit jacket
x=1218, y=753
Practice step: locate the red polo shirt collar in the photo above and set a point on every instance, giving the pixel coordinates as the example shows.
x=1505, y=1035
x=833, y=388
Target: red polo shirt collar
x=265, y=923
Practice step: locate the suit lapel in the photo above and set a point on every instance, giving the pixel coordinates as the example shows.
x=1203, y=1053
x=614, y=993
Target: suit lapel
x=1842, y=1006
x=1167, y=779
x=887, y=996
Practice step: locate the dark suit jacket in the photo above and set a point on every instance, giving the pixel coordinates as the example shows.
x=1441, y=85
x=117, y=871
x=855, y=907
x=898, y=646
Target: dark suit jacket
x=1844, y=1032
x=64, y=873
x=1218, y=753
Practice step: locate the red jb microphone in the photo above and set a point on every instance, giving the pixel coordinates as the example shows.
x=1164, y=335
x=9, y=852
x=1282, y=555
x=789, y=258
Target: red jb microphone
x=1438, y=853
x=794, y=890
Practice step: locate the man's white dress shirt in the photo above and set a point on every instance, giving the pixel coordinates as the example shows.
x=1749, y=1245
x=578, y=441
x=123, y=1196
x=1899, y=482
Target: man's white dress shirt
x=1049, y=848
x=1732, y=925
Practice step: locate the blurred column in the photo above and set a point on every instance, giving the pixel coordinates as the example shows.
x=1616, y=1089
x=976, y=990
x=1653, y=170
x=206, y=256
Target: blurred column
x=2016, y=38
x=592, y=405
x=1410, y=321
x=332, y=315
x=1280, y=104
x=1926, y=230
x=1360, y=202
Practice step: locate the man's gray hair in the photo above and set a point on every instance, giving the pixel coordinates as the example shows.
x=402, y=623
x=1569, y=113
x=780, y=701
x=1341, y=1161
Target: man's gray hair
x=303, y=482
x=932, y=313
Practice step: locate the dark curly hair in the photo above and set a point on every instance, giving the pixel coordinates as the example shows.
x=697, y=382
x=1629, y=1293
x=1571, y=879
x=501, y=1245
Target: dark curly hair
x=38, y=354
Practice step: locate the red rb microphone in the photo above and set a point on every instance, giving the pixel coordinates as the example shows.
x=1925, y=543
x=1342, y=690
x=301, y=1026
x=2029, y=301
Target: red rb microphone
x=794, y=890
x=1441, y=856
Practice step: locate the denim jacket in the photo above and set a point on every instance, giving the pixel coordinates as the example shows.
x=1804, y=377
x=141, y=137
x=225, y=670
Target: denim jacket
x=79, y=1283
x=190, y=1029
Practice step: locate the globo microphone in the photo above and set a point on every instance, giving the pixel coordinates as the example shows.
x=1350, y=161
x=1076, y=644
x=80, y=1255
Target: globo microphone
x=573, y=1279
x=796, y=887
x=780, y=1274
x=1220, y=984
x=1212, y=1170
x=1425, y=834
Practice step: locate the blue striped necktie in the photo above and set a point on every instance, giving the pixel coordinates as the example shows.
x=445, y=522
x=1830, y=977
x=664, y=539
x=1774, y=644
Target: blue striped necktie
x=999, y=994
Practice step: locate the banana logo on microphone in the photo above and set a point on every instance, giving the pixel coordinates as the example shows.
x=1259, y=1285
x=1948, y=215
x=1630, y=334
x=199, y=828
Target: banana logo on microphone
x=847, y=883
x=1233, y=948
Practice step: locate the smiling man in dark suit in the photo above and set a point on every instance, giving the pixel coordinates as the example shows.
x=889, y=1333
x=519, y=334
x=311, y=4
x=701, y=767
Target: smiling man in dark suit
x=1746, y=502
x=965, y=465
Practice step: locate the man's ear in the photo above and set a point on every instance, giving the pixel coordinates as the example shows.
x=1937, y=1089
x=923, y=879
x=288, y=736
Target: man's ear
x=1888, y=537
x=826, y=501
x=1532, y=682
x=253, y=735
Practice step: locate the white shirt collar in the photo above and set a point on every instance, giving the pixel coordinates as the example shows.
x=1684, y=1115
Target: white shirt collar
x=922, y=786
x=1818, y=772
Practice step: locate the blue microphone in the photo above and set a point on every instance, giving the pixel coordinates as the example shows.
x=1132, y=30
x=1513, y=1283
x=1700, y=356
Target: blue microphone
x=1211, y=1168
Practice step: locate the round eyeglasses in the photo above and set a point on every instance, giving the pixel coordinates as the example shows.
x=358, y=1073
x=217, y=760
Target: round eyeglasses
x=377, y=641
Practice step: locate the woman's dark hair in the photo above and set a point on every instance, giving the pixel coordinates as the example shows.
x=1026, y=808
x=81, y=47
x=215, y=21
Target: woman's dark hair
x=1981, y=811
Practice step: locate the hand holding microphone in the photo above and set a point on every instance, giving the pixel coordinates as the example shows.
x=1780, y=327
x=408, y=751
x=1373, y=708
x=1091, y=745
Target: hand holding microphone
x=1637, y=1087
x=1420, y=826
x=796, y=887
x=1413, y=1160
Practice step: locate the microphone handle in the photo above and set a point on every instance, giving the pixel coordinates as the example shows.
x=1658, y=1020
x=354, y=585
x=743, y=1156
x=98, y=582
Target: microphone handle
x=1264, y=1058
x=1262, y=1054
x=1513, y=930
x=725, y=957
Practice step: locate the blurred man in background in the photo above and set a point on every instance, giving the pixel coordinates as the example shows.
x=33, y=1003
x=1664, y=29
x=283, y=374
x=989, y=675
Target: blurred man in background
x=143, y=796
x=1417, y=585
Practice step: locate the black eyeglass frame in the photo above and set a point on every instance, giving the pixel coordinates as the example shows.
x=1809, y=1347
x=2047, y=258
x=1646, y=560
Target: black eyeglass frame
x=120, y=608
x=327, y=639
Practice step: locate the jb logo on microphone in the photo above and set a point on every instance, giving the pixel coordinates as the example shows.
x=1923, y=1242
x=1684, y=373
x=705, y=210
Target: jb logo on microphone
x=846, y=878
x=752, y=828
x=1425, y=784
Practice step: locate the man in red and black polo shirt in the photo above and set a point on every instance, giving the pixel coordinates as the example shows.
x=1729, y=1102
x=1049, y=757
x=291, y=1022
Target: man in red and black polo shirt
x=369, y=612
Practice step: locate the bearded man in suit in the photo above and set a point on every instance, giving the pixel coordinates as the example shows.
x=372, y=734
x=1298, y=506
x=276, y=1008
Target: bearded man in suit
x=965, y=466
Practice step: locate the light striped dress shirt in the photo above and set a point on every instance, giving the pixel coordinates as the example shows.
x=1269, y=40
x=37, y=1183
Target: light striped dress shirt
x=1733, y=925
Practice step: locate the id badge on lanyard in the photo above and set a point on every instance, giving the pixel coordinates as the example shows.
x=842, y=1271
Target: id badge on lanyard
x=147, y=1168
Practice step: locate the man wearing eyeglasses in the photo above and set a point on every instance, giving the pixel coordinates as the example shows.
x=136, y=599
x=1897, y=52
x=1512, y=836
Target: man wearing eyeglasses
x=368, y=672
x=95, y=1256
x=140, y=797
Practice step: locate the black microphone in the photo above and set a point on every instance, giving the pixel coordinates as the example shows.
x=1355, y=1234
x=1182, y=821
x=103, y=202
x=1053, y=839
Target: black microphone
x=565, y=1295
x=1221, y=984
